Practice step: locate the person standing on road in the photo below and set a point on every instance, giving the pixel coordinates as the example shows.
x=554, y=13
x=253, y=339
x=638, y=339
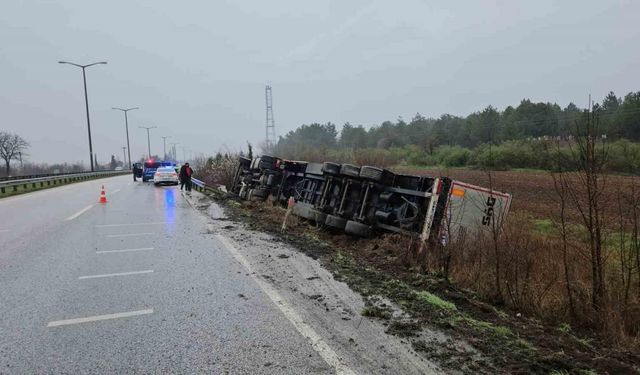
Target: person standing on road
x=185, y=177
x=136, y=169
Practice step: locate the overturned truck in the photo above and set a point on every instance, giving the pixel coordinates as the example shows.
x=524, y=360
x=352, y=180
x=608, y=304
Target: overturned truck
x=363, y=200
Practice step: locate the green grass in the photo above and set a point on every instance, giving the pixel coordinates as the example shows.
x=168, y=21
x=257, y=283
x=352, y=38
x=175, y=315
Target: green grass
x=500, y=331
x=565, y=328
x=435, y=301
x=544, y=226
x=438, y=166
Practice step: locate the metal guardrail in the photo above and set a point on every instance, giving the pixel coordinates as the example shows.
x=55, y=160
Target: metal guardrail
x=23, y=185
x=204, y=188
x=31, y=176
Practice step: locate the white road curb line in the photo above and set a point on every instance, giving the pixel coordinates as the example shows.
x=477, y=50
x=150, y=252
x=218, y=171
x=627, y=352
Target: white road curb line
x=318, y=344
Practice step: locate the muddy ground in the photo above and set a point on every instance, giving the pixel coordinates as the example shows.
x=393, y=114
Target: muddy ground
x=485, y=339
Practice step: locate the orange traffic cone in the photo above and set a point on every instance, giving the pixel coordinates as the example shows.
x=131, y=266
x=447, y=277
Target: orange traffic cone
x=103, y=196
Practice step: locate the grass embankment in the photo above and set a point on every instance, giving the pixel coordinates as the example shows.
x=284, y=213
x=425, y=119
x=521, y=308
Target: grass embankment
x=499, y=340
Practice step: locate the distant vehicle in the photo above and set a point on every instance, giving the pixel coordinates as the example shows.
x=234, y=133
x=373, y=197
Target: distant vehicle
x=118, y=169
x=150, y=167
x=165, y=176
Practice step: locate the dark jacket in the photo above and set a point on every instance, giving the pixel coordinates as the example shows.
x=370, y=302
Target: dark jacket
x=185, y=173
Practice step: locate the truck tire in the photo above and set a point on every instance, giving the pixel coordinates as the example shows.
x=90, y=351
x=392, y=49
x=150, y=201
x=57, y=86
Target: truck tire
x=256, y=195
x=303, y=210
x=262, y=193
x=358, y=229
x=244, y=162
x=350, y=170
x=335, y=222
x=314, y=168
x=378, y=175
x=318, y=216
x=267, y=162
x=331, y=168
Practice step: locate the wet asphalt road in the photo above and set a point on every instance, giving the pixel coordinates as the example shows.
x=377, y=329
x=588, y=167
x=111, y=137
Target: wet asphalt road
x=132, y=286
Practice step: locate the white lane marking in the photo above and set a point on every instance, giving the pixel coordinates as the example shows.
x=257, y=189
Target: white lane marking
x=128, y=235
x=115, y=191
x=123, y=250
x=127, y=225
x=80, y=212
x=4, y=230
x=96, y=318
x=114, y=274
x=317, y=343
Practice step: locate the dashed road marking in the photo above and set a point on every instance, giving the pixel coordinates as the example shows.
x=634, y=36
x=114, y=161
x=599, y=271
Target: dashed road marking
x=115, y=191
x=96, y=318
x=317, y=343
x=129, y=235
x=123, y=250
x=80, y=212
x=114, y=274
x=129, y=225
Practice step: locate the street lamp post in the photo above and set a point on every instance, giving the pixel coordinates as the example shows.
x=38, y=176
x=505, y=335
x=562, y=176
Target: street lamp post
x=148, y=139
x=173, y=151
x=124, y=155
x=86, y=102
x=126, y=124
x=164, y=141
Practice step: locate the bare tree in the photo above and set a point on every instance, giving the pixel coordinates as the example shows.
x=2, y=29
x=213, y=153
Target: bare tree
x=12, y=146
x=581, y=191
x=561, y=186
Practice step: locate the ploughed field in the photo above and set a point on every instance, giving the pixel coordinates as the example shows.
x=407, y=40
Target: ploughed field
x=533, y=192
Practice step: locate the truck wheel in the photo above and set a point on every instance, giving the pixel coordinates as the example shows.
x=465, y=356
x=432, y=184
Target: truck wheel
x=303, y=210
x=335, y=222
x=350, y=170
x=376, y=175
x=358, y=229
x=256, y=195
x=318, y=216
x=331, y=168
x=262, y=193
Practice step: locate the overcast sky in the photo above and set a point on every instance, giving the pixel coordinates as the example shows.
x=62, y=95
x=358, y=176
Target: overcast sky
x=197, y=69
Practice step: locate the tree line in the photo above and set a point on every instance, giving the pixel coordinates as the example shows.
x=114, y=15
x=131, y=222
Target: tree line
x=619, y=119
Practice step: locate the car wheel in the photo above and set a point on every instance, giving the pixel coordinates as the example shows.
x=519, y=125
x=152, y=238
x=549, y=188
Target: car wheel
x=350, y=170
x=358, y=229
x=335, y=222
